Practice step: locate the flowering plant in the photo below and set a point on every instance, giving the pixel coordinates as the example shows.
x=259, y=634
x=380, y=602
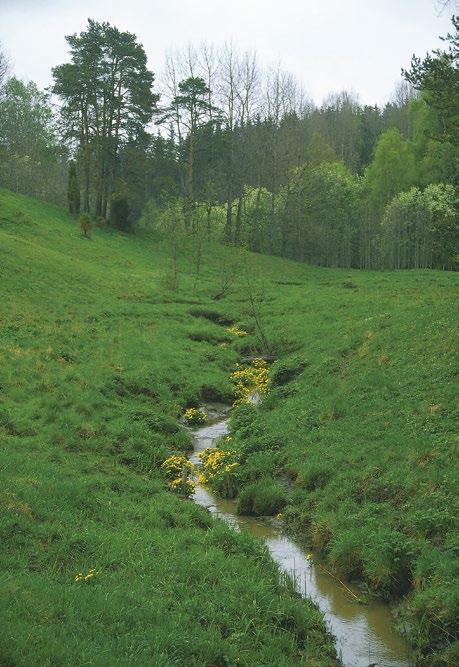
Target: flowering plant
x=249, y=380
x=236, y=331
x=219, y=468
x=195, y=416
x=178, y=470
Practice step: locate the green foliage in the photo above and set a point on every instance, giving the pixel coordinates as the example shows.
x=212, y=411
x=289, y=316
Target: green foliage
x=393, y=169
x=262, y=498
x=31, y=154
x=321, y=205
x=437, y=75
x=119, y=212
x=112, y=65
x=285, y=370
x=319, y=151
x=367, y=436
x=386, y=562
x=420, y=228
x=438, y=163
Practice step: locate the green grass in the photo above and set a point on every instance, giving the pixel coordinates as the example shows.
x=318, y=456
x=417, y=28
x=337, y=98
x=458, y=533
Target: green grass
x=98, y=362
x=360, y=427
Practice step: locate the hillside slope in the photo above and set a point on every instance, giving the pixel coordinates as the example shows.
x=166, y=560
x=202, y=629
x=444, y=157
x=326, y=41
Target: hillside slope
x=98, y=362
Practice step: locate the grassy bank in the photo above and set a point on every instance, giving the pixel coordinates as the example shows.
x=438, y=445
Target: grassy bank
x=358, y=430
x=98, y=361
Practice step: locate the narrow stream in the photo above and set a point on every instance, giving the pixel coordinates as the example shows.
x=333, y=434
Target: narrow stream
x=364, y=634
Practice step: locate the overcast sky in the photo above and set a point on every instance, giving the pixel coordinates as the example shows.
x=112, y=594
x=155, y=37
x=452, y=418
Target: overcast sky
x=329, y=45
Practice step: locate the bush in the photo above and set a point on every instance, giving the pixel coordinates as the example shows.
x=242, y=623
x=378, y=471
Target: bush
x=263, y=498
x=85, y=225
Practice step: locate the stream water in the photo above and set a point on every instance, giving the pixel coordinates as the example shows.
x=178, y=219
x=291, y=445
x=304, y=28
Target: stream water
x=364, y=634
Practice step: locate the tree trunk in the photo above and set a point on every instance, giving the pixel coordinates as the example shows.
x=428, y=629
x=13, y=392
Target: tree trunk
x=238, y=228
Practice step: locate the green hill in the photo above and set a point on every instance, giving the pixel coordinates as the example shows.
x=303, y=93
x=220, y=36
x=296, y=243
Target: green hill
x=99, y=359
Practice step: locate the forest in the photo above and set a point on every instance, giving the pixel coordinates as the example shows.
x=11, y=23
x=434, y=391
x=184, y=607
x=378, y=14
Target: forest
x=232, y=151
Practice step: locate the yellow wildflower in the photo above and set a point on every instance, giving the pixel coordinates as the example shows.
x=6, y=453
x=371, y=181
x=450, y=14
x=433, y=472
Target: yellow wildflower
x=195, y=416
x=236, y=331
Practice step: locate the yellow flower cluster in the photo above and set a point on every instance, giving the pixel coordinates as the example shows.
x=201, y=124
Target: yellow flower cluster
x=175, y=465
x=195, y=416
x=178, y=470
x=85, y=577
x=214, y=462
x=236, y=331
x=249, y=380
x=185, y=487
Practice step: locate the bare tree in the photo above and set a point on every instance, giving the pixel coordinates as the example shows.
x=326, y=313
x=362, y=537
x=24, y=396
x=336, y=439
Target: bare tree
x=228, y=94
x=4, y=69
x=208, y=64
x=442, y=5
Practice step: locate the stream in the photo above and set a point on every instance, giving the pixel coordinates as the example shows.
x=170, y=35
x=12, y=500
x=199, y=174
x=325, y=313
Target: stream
x=364, y=634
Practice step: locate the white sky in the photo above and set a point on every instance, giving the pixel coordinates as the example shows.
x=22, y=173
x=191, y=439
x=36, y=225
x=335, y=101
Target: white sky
x=329, y=45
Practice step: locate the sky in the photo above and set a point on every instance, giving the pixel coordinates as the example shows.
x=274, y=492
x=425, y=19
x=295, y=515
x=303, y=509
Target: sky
x=328, y=45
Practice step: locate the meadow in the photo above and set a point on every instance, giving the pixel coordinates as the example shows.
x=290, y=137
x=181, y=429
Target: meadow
x=352, y=445
x=99, y=563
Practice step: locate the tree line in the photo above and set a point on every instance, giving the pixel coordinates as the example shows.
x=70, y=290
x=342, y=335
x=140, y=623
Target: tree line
x=222, y=148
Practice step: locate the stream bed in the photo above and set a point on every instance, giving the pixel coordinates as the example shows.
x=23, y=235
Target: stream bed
x=364, y=634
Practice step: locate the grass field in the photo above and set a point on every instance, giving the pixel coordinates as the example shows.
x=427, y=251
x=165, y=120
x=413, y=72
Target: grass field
x=355, y=438
x=98, y=361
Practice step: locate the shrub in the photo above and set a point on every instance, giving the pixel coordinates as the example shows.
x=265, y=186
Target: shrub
x=178, y=470
x=85, y=225
x=249, y=381
x=263, y=498
x=243, y=417
x=432, y=615
x=321, y=532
